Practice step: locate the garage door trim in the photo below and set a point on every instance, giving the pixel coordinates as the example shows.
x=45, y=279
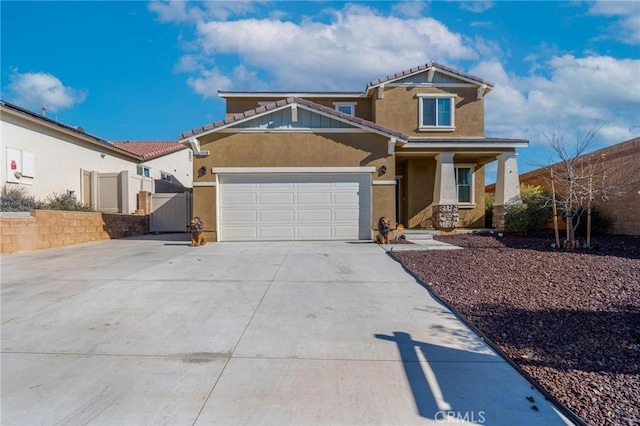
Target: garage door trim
x=291, y=170
x=363, y=172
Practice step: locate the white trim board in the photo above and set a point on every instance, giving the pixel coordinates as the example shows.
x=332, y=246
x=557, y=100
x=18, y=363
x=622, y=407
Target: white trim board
x=284, y=170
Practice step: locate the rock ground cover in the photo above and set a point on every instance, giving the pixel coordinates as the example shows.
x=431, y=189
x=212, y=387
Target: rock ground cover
x=569, y=318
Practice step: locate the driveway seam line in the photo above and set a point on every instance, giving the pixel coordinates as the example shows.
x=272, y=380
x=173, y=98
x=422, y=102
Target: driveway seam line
x=240, y=338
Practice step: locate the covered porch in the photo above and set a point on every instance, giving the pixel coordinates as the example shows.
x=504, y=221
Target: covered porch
x=444, y=188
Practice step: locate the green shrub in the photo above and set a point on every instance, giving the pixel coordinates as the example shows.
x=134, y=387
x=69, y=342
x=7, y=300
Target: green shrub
x=532, y=214
x=65, y=202
x=15, y=198
x=488, y=210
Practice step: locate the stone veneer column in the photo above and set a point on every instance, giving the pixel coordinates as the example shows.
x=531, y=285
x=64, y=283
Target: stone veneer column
x=445, y=199
x=507, y=187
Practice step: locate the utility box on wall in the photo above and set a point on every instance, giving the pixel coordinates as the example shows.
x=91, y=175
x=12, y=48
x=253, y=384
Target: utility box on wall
x=20, y=166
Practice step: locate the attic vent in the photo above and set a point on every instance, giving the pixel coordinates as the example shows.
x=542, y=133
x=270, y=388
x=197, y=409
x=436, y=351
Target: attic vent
x=80, y=128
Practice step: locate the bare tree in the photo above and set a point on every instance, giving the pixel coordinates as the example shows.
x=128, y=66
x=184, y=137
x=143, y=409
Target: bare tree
x=581, y=177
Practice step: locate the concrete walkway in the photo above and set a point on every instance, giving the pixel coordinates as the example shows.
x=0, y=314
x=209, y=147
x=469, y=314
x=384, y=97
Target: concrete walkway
x=150, y=331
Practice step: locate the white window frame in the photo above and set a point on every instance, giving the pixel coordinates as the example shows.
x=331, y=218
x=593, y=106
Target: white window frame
x=140, y=171
x=472, y=168
x=351, y=105
x=452, y=106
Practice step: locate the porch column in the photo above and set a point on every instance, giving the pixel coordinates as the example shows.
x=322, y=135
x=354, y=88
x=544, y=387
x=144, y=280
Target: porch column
x=445, y=198
x=507, y=187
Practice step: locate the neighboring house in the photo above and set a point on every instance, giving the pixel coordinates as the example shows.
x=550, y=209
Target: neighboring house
x=167, y=162
x=327, y=165
x=46, y=156
x=622, y=165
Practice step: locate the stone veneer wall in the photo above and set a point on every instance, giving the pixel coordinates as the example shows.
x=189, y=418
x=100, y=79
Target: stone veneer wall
x=445, y=216
x=53, y=228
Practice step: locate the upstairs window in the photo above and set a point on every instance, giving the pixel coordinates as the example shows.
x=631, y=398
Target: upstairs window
x=436, y=111
x=348, y=108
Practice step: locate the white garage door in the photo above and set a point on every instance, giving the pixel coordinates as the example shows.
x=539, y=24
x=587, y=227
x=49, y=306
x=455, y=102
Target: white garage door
x=294, y=207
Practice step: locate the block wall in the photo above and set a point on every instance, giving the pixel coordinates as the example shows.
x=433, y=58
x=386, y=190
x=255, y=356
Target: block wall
x=49, y=228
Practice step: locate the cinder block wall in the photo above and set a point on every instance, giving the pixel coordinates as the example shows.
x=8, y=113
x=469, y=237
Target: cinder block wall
x=50, y=228
x=622, y=165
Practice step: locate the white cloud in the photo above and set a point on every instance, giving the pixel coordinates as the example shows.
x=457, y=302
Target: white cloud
x=34, y=90
x=627, y=28
x=476, y=6
x=577, y=93
x=357, y=44
x=409, y=8
x=183, y=11
x=209, y=82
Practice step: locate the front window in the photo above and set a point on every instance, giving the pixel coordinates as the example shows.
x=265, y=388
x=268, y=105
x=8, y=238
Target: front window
x=464, y=185
x=436, y=112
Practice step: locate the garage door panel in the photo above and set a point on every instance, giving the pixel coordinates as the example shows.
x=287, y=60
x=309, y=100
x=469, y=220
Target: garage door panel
x=348, y=215
x=241, y=199
x=315, y=215
x=233, y=216
x=346, y=199
x=276, y=186
x=241, y=233
x=295, y=206
x=314, y=198
x=277, y=232
x=278, y=215
x=276, y=198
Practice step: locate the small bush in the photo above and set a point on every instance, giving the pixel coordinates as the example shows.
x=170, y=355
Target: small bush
x=488, y=210
x=65, y=202
x=17, y=199
x=532, y=214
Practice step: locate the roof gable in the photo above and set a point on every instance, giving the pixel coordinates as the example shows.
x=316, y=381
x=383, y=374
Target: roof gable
x=293, y=114
x=430, y=73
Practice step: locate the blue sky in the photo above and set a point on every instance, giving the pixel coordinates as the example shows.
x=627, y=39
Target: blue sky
x=151, y=70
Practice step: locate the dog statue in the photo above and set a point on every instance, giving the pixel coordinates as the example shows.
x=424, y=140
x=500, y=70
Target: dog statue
x=384, y=230
x=196, y=228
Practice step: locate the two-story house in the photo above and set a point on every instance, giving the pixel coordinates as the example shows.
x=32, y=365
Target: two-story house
x=327, y=165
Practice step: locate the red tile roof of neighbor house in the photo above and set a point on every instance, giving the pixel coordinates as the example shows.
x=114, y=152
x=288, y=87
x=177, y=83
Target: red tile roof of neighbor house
x=228, y=121
x=149, y=149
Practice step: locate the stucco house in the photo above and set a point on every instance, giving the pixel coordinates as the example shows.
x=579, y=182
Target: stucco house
x=327, y=165
x=46, y=156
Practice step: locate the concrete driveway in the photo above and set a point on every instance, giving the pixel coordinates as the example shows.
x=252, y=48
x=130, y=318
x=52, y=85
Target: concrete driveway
x=150, y=331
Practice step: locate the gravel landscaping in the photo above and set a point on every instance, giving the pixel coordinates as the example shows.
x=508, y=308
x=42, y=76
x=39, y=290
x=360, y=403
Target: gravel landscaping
x=569, y=318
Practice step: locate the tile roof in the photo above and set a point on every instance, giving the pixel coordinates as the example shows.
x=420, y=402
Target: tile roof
x=425, y=67
x=228, y=121
x=149, y=149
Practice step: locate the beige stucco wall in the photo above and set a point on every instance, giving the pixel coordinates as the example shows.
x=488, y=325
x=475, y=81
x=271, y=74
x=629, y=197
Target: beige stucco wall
x=238, y=105
x=418, y=180
x=204, y=206
x=293, y=150
x=399, y=110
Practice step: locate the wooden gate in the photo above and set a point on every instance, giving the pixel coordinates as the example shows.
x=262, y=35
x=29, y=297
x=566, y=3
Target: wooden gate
x=170, y=212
